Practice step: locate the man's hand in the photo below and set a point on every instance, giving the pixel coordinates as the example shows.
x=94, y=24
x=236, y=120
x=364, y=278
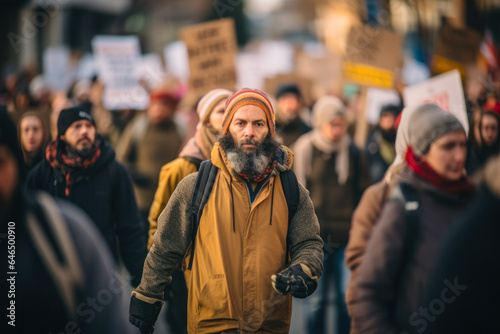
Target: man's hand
x=297, y=280
x=144, y=312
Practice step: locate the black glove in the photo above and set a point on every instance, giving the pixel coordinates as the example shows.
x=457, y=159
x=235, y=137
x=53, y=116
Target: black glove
x=297, y=280
x=143, y=314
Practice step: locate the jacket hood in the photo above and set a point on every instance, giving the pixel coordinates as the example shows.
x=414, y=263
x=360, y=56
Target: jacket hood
x=284, y=160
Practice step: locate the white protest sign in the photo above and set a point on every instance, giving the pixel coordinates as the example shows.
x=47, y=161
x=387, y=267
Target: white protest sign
x=86, y=68
x=445, y=90
x=177, y=61
x=58, y=72
x=377, y=98
x=150, y=70
x=117, y=58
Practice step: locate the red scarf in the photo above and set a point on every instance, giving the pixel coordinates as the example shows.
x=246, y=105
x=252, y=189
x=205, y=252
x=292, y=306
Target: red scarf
x=67, y=163
x=260, y=177
x=425, y=171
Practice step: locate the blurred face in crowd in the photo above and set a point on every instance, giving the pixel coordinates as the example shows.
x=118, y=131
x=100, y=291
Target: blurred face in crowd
x=248, y=145
x=489, y=129
x=387, y=121
x=447, y=155
x=161, y=111
x=31, y=133
x=80, y=136
x=216, y=117
x=8, y=178
x=335, y=129
x=289, y=104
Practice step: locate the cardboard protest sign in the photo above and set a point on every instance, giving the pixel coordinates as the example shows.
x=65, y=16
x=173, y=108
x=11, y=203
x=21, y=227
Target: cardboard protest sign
x=455, y=48
x=372, y=55
x=459, y=45
x=324, y=69
x=211, y=49
x=272, y=85
x=445, y=90
x=117, y=59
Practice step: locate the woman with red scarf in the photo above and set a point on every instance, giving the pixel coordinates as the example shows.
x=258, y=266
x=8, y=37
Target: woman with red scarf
x=393, y=273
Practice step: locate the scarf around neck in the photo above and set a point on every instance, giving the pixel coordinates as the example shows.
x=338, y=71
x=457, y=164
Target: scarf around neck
x=425, y=171
x=303, y=150
x=260, y=177
x=67, y=161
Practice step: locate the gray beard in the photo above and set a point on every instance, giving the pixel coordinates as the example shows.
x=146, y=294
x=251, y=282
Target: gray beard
x=252, y=164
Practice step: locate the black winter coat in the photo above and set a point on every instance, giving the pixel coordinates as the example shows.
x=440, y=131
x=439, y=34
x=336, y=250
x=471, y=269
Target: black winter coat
x=104, y=191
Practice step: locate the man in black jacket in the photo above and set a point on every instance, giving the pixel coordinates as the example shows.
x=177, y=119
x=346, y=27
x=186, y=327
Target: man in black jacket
x=57, y=274
x=80, y=166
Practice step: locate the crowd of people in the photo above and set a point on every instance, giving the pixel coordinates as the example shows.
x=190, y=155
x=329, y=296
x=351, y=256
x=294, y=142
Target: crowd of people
x=225, y=207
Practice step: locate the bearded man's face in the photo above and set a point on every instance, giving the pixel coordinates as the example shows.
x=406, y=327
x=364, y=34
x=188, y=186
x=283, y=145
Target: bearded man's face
x=248, y=144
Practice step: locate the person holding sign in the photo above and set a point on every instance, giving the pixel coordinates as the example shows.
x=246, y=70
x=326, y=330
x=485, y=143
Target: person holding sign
x=256, y=243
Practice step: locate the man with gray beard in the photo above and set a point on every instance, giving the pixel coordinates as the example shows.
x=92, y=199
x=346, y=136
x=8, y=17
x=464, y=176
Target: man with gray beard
x=245, y=259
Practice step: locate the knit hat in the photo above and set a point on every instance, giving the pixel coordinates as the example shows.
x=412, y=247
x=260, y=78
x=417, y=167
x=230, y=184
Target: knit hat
x=209, y=101
x=288, y=89
x=327, y=108
x=69, y=116
x=245, y=97
x=428, y=123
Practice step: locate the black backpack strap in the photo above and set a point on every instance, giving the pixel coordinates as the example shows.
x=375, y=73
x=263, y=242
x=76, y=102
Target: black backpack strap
x=410, y=197
x=195, y=161
x=356, y=165
x=201, y=192
x=291, y=190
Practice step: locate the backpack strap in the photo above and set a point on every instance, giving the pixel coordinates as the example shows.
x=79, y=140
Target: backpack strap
x=355, y=160
x=194, y=161
x=202, y=189
x=409, y=196
x=67, y=275
x=291, y=190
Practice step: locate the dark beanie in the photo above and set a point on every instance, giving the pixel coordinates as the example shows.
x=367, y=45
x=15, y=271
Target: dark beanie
x=288, y=89
x=390, y=109
x=8, y=138
x=71, y=115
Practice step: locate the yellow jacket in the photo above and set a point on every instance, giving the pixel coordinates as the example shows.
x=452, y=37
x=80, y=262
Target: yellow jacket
x=230, y=281
x=170, y=176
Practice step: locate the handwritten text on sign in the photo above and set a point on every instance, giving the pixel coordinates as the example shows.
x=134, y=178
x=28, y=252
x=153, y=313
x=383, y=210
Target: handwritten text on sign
x=211, y=49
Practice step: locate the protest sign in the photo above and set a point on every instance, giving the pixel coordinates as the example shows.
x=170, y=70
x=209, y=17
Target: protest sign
x=372, y=55
x=117, y=59
x=445, y=90
x=211, y=49
x=57, y=68
x=455, y=48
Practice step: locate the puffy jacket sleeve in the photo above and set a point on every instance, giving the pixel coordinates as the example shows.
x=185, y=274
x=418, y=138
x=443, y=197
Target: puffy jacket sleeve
x=305, y=244
x=170, y=176
x=100, y=274
x=171, y=240
x=363, y=221
x=128, y=225
x=377, y=275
